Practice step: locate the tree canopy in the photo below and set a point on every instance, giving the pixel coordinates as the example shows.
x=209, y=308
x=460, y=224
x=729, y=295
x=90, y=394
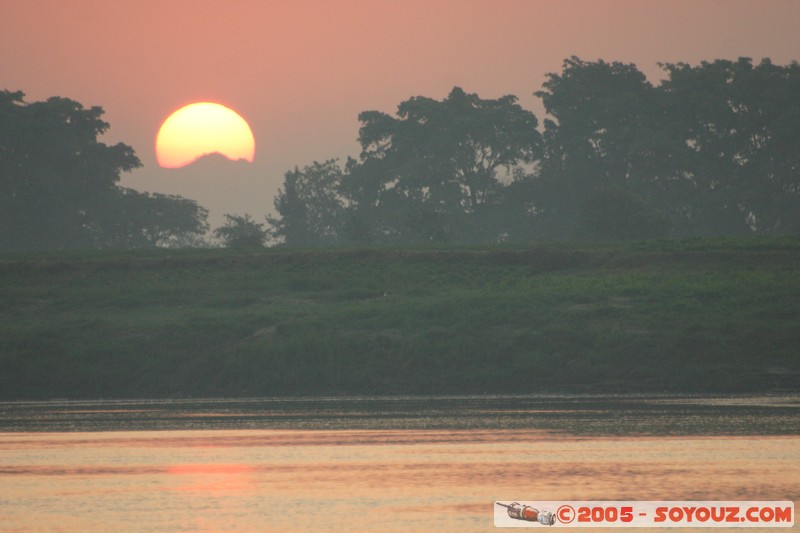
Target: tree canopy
x=310, y=206
x=58, y=183
x=241, y=232
x=740, y=124
x=434, y=172
x=714, y=149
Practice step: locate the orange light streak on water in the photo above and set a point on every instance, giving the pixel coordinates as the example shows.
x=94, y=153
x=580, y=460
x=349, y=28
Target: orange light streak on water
x=361, y=480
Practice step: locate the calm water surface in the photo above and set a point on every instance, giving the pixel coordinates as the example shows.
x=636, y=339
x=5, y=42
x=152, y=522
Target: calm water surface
x=367, y=464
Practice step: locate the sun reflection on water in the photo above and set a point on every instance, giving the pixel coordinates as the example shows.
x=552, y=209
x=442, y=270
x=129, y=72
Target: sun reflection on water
x=351, y=479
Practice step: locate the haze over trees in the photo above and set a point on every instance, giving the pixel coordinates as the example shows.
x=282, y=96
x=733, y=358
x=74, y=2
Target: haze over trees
x=712, y=150
x=58, y=184
x=311, y=206
x=241, y=232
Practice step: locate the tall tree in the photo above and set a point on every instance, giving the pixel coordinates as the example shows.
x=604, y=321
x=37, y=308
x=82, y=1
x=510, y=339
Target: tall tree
x=608, y=134
x=54, y=174
x=433, y=172
x=709, y=148
x=58, y=183
x=310, y=206
x=741, y=126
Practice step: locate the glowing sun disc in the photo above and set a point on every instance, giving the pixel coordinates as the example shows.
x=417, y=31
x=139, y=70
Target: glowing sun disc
x=200, y=129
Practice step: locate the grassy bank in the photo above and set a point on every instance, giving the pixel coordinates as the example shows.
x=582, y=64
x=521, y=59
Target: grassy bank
x=720, y=315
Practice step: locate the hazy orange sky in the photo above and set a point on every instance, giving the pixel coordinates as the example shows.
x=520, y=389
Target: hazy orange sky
x=300, y=71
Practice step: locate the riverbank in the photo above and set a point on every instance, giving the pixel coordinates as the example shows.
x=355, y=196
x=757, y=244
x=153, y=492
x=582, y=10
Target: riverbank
x=690, y=316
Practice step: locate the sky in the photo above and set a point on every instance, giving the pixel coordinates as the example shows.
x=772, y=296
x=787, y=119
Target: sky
x=300, y=71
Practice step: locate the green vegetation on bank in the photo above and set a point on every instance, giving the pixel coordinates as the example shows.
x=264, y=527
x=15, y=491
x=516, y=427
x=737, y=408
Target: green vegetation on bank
x=696, y=315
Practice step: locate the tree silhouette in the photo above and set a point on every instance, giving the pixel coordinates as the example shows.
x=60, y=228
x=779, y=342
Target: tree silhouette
x=58, y=183
x=711, y=150
x=241, y=232
x=432, y=173
x=741, y=128
x=310, y=206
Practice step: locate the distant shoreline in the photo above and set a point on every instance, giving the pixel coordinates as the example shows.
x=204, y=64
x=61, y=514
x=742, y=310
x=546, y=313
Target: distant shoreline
x=688, y=316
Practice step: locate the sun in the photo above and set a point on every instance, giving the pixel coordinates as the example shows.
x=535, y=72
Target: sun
x=200, y=129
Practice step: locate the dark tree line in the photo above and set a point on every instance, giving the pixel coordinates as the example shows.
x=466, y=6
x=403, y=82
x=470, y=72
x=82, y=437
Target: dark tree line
x=58, y=184
x=714, y=149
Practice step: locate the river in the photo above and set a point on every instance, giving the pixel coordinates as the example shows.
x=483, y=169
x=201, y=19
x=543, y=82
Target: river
x=379, y=464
